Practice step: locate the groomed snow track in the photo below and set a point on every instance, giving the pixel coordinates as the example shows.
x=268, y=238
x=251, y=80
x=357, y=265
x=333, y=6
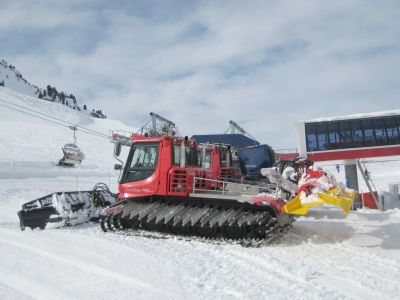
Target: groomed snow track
x=210, y=218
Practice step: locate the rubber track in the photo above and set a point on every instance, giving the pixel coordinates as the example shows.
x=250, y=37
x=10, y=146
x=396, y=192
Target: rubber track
x=191, y=219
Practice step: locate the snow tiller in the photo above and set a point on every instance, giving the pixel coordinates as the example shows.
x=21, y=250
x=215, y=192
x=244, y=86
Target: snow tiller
x=170, y=184
x=65, y=208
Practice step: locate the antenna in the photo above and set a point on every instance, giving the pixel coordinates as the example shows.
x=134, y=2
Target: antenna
x=233, y=126
x=158, y=125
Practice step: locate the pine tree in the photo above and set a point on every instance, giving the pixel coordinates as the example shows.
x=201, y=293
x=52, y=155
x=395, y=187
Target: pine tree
x=2, y=83
x=49, y=91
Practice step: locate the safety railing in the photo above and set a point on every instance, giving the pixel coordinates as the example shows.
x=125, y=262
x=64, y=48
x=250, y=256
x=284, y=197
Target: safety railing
x=287, y=150
x=121, y=136
x=227, y=188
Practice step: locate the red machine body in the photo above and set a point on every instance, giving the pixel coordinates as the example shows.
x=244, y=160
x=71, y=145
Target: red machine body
x=217, y=159
x=166, y=177
x=161, y=161
x=170, y=184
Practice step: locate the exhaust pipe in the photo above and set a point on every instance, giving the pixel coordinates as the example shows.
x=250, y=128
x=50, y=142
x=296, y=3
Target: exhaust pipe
x=182, y=158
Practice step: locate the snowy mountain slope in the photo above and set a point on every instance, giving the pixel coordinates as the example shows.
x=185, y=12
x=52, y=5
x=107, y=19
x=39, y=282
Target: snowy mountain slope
x=324, y=256
x=30, y=143
x=11, y=78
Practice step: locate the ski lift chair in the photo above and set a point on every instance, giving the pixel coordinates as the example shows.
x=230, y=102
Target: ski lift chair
x=72, y=154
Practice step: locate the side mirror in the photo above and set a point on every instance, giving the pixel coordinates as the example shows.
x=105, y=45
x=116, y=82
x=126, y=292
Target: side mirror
x=117, y=167
x=117, y=149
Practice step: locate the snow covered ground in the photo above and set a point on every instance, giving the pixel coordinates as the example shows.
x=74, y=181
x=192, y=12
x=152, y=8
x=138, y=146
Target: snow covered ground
x=324, y=255
x=383, y=170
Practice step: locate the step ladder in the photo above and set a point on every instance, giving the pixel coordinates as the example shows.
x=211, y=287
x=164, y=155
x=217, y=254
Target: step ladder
x=368, y=181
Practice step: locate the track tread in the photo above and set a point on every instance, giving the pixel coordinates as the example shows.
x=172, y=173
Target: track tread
x=207, y=220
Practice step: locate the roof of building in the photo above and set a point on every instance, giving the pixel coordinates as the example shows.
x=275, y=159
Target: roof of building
x=236, y=140
x=386, y=113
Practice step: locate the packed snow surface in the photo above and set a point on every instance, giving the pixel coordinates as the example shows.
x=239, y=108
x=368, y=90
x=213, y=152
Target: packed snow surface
x=323, y=256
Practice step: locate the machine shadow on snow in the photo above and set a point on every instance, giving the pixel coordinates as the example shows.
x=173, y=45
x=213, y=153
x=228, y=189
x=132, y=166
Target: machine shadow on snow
x=375, y=216
x=388, y=234
x=326, y=213
x=304, y=231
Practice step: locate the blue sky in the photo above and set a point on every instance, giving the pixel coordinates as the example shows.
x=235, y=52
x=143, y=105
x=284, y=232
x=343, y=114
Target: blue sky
x=264, y=64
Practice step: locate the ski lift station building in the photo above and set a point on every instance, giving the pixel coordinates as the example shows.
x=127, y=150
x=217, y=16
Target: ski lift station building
x=349, y=138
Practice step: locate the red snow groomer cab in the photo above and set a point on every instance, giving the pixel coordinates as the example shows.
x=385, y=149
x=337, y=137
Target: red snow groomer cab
x=170, y=184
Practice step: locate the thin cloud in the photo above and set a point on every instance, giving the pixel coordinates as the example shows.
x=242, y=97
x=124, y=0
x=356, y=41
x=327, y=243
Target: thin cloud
x=265, y=64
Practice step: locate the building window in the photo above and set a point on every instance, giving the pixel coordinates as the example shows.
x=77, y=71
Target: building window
x=369, y=134
x=322, y=136
x=392, y=130
x=345, y=134
x=311, y=136
x=334, y=136
x=380, y=132
x=357, y=133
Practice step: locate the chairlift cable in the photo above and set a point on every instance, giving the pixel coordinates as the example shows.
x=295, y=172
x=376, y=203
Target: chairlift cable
x=34, y=115
x=83, y=129
x=87, y=129
x=40, y=113
x=57, y=123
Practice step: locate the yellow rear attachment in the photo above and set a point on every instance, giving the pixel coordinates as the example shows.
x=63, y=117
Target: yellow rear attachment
x=339, y=197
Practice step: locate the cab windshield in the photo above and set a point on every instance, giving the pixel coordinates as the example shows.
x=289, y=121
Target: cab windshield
x=253, y=159
x=141, y=162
